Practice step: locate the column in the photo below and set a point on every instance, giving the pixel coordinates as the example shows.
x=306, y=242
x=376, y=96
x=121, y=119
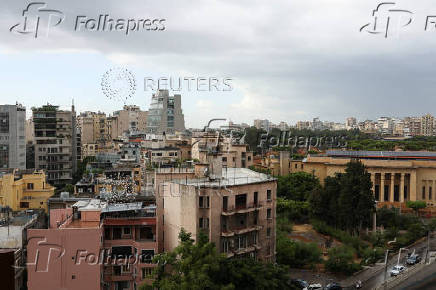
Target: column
x=402, y=188
x=433, y=192
x=373, y=182
x=412, y=185
x=391, y=197
x=382, y=186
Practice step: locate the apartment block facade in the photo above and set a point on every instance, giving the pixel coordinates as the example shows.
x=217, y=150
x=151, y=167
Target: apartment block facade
x=165, y=114
x=104, y=246
x=55, y=143
x=25, y=190
x=237, y=211
x=12, y=136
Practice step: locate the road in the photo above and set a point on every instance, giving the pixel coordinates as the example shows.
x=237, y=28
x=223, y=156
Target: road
x=423, y=280
x=378, y=278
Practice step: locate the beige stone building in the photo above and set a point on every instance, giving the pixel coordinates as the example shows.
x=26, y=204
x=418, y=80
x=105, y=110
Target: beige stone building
x=130, y=118
x=235, y=207
x=396, y=176
x=94, y=127
x=233, y=155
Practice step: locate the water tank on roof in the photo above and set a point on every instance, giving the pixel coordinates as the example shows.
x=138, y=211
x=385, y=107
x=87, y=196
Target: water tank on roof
x=65, y=194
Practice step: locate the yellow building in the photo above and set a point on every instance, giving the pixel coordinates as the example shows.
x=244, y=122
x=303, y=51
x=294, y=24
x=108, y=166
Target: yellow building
x=396, y=176
x=21, y=191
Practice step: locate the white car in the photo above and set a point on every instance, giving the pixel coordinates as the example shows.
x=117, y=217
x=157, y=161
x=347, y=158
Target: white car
x=315, y=286
x=397, y=270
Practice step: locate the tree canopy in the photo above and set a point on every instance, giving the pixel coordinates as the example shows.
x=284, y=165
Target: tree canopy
x=346, y=201
x=297, y=186
x=198, y=265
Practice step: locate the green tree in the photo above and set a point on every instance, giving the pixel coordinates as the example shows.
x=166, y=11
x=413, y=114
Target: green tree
x=341, y=260
x=346, y=201
x=199, y=266
x=296, y=254
x=416, y=205
x=356, y=198
x=297, y=186
x=324, y=202
x=68, y=188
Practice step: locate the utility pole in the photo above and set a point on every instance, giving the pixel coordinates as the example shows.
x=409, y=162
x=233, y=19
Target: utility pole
x=386, y=261
x=427, y=260
x=386, y=268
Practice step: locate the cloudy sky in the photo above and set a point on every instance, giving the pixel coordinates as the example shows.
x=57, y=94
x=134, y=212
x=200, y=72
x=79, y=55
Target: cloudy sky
x=289, y=60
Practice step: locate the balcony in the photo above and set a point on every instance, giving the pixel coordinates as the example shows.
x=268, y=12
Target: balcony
x=241, y=208
x=240, y=230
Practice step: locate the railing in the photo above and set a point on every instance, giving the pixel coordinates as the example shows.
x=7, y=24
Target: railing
x=249, y=206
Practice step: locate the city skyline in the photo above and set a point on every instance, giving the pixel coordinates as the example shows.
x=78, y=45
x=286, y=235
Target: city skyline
x=333, y=70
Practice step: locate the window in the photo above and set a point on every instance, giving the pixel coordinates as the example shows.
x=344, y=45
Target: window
x=125, y=268
x=268, y=232
x=126, y=231
x=147, y=272
x=116, y=233
x=146, y=233
x=423, y=192
x=225, y=246
x=241, y=201
x=268, y=194
x=200, y=201
x=224, y=159
x=147, y=256
x=203, y=223
x=268, y=213
x=116, y=270
x=73, y=277
x=302, y=166
x=24, y=204
x=296, y=165
x=30, y=186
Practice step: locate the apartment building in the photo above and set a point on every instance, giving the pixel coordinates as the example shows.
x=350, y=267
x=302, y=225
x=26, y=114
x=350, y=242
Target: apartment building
x=233, y=154
x=165, y=114
x=13, y=240
x=116, y=253
x=129, y=119
x=94, y=127
x=23, y=190
x=235, y=207
x=55, y=143
x=12, y=136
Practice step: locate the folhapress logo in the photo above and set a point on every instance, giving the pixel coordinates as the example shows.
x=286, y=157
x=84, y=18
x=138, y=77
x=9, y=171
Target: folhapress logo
x=37, y=20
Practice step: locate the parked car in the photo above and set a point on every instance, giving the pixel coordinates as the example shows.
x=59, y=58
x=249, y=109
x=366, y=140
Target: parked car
x=315, y=286
x=397, y=270
x=333, y=286
x=413, y=259
x=301, y=284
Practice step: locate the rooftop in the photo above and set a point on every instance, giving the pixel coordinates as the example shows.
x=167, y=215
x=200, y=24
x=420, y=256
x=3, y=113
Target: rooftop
x=423, y=155
x=230, y=177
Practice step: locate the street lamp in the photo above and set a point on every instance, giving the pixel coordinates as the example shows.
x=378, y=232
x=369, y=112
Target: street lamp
x=386, y=261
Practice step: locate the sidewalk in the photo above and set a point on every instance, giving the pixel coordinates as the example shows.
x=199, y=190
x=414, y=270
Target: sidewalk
x=363, y=275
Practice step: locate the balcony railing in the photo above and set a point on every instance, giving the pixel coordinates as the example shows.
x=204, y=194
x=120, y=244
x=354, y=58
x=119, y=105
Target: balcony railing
x=241, y=208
